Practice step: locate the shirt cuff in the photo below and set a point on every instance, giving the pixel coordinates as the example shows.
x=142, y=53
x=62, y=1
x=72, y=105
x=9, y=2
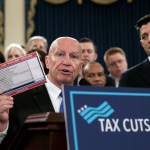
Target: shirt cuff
x=3, y=134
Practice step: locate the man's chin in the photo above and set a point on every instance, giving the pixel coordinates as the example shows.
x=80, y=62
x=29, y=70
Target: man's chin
x=66, y=81
x=85, y=61
x=99, y=85
x=148, y=53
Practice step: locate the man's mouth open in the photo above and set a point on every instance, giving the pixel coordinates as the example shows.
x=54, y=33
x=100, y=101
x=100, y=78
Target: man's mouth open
x=66, y=72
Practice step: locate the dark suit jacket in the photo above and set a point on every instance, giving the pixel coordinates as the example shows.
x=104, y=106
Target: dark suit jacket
x=32, y=101
x=109, y=81
x=81, y=82
x=137, y=76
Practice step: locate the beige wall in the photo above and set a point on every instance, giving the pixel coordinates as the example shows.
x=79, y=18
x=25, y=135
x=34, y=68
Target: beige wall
x=14, y=22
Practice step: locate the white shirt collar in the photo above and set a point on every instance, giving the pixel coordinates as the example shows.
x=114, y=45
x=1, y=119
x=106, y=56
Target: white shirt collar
x=149, y=58
x=53, y=89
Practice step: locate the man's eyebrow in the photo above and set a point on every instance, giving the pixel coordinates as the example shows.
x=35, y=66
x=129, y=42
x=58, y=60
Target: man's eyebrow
x=75, y=52
x=60, y=49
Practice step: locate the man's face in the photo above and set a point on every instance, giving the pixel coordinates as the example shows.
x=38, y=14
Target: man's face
x=88, y=52
x=95, y=75
x=37, y=44
x=145, y=37
x=117, y=64
x=64, y=61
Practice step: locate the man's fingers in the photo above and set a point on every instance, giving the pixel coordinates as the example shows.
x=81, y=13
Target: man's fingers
x=6, y=102
x=1, y=91
x=6, y=98
x=5, y=107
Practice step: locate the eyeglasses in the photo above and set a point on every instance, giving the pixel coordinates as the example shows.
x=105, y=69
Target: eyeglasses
x=113, y=64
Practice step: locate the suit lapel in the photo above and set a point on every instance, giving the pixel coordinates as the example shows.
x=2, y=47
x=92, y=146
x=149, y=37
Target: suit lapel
x=145, y=70
x=42, y=99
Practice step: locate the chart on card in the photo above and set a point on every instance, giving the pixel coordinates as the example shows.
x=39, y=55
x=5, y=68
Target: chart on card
x=21, y=74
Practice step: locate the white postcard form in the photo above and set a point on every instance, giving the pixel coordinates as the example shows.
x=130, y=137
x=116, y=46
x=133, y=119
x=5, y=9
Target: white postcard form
x=21, y=74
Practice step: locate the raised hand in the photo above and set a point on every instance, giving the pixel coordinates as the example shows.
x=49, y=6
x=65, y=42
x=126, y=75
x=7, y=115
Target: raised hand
x=6, y=102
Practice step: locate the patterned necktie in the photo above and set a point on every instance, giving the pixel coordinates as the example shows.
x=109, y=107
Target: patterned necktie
x=61, y=105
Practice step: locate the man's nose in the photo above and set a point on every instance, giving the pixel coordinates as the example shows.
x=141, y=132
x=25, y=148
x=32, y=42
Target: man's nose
x=97, y=78
x=67, y=60
x=149, y=38
x=117, y=64
x=85, y=53
x=14, y=57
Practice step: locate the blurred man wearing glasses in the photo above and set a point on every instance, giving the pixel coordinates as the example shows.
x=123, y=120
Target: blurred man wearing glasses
x=116, y=63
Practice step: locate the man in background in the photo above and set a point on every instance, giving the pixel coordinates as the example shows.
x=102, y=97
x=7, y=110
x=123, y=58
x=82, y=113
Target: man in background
x=116, y=63
x=93, y=72
x=139, y=75
x=37, y=42
x=88, y=50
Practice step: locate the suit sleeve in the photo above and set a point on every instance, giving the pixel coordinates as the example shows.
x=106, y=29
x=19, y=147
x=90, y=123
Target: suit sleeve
x=125, y=80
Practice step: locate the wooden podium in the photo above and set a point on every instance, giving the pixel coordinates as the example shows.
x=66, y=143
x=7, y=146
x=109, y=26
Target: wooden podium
x=45, y=131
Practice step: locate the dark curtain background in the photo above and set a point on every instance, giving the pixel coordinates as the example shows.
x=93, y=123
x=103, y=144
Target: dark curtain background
x=2, y=6
x=107, y=25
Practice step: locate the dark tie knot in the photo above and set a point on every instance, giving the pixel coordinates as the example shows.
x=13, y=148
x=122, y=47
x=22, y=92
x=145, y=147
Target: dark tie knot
x=60, y=94
x=61, y=105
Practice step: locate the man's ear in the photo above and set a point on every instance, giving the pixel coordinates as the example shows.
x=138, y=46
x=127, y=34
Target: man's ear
x=47, y=62
x=141, y=43
x=96, y=56
x=81, y=65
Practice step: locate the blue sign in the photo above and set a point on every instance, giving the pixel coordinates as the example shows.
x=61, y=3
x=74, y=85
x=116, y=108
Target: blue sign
x=105, y=118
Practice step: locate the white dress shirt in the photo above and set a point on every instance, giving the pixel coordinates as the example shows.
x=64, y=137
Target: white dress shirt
x=54, y=94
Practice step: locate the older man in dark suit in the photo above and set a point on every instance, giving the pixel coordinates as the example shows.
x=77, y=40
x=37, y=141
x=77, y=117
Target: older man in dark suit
x=139, y=75
x=64, y=63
